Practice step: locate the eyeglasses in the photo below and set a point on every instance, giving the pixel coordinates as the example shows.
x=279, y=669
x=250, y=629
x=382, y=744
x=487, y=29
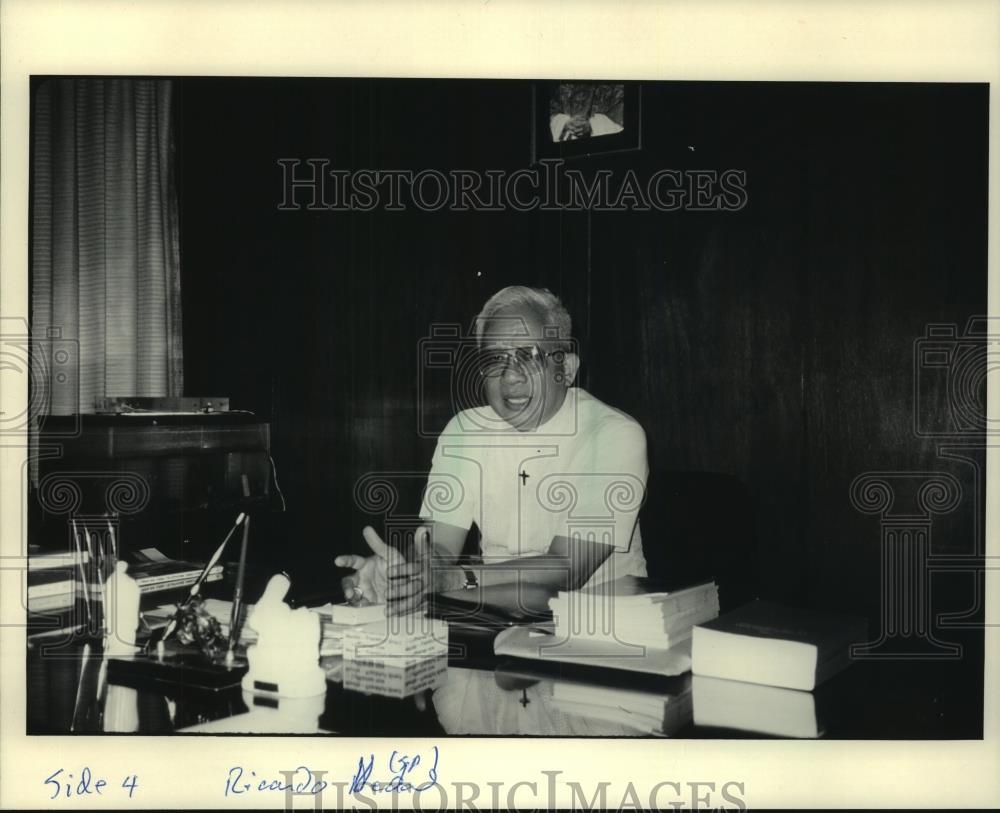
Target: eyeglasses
x=495, y=361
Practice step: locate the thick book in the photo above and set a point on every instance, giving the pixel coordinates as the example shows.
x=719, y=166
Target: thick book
x=774, y=645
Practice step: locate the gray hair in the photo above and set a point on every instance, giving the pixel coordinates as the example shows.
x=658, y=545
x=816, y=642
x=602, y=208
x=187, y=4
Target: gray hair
x=542, y=301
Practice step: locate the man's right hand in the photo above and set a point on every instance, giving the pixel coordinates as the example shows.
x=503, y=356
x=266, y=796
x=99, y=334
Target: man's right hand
x=369, y=582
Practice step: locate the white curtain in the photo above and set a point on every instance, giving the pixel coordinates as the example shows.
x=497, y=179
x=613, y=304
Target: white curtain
x=105, y=259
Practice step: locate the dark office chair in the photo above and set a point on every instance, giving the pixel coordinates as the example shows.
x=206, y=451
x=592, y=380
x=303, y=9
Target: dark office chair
x=698, y=526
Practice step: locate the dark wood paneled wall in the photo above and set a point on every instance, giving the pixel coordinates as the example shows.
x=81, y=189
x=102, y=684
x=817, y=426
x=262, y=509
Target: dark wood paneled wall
x=775, y=343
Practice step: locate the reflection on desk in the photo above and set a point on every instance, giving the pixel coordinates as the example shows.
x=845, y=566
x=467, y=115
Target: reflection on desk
x=269, y=715
x=68, y=695
x=478, y=702
x=753, y=707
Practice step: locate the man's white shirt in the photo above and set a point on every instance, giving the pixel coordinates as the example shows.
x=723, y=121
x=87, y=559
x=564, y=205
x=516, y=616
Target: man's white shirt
x=582, y=474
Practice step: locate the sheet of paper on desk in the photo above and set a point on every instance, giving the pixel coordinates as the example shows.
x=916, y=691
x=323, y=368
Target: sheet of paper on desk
x=151, y=555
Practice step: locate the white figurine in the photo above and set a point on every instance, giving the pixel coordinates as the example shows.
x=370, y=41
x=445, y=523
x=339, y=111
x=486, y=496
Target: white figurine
x=285, y=659
x=121, y=612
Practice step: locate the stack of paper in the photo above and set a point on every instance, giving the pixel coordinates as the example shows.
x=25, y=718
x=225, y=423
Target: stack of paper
x=652, y=620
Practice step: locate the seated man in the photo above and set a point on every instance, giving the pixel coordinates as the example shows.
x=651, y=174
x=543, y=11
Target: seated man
x=552, y=477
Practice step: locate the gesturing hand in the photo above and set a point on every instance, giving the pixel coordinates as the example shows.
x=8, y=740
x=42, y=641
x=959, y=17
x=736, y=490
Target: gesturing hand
x=369, y=582
x=410, y=582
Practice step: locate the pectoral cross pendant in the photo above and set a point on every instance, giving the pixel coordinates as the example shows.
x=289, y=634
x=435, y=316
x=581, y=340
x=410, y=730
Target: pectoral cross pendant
x=524, y=477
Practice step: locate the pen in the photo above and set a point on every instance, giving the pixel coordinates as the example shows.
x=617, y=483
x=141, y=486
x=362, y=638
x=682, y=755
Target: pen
x=83, y=574
x=114, y=541
x=97, y=564
x=197, y=585
x=79, y=686
x=102, y=676
x=234, y=619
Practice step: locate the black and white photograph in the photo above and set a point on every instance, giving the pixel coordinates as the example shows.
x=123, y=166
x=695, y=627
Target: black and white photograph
x=586, y=110
x=384, y=414
x=581, y=119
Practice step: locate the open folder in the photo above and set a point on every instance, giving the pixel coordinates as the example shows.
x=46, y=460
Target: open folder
x=494, y=607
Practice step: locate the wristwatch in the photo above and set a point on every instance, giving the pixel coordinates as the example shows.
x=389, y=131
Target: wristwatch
x=471, y=582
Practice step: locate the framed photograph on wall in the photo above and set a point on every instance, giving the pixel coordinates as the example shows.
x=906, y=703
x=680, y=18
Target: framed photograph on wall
x=579, y=118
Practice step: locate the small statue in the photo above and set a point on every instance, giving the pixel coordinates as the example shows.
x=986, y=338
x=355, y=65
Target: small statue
x=285, y=659
x=121, y=612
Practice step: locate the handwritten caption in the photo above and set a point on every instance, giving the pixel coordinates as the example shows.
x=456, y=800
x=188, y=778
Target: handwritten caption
x=64, y=785
x=302, y=780
x=402, y=773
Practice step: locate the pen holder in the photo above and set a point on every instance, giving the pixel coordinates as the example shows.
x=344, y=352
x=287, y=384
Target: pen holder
x=197, y=627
